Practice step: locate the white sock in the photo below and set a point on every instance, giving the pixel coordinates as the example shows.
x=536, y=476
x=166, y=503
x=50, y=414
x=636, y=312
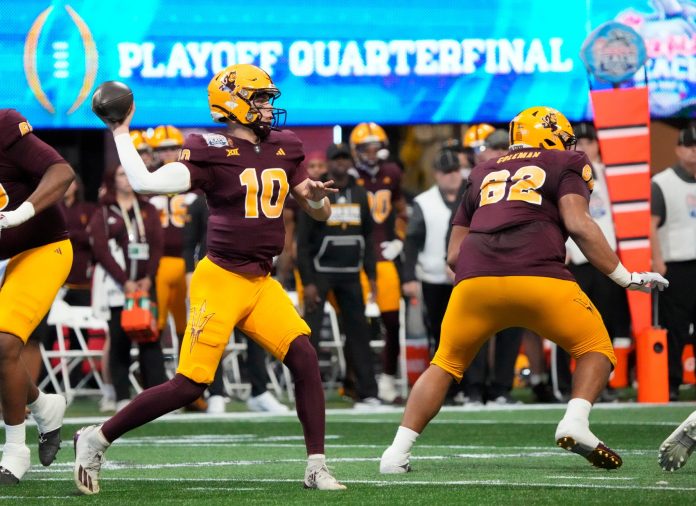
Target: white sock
x=47, y=414
x=316, y=459
x=578, y=409
x=40, y=404
x=108, y=391
x=16, y=434
x=98, y=440
x=404, y=439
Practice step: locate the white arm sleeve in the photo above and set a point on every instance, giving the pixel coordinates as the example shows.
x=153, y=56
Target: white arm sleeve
x=171, y=178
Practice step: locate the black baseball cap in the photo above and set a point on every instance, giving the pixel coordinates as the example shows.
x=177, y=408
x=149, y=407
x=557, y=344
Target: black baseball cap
x=585, y=131
x=498, y=139
x=687, y=137
x=337, y=151
x=446, y=161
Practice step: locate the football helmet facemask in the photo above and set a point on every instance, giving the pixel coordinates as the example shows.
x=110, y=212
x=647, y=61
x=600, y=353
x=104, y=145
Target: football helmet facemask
x=239, y=92
x=542, y=127
x=369, y=144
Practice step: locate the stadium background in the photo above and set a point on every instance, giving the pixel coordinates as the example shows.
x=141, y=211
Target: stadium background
x=336, y=64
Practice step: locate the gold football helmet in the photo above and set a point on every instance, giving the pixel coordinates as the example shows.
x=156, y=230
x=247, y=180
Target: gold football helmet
x=369, y=144
x=542, y=127
x=166, y=137
x=475, y=135
x=139, y=140
x=235, y=92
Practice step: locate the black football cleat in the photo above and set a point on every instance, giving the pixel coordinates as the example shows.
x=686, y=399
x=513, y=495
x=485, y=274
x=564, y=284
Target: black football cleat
x=7, y=478
x=49, y=444
x=601, y=456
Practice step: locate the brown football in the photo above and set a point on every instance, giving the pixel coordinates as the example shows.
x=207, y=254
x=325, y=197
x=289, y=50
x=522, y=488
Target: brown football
x=112, y=101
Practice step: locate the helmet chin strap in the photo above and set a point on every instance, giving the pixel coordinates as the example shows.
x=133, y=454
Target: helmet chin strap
x=261, y=129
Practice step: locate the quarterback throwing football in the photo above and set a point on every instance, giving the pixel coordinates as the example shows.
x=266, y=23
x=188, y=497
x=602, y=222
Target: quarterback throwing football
x=246, y=174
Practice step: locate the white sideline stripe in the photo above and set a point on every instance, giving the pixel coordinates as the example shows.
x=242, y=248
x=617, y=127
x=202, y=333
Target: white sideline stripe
x=357, y=417
x=495, y=483
x=615, y=133
x=634, y=244
x=625, y=170
x=591, y=477
x=130, y=466
x=630, y=207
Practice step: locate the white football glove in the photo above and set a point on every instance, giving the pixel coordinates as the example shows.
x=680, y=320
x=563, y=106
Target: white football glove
x=647, y=281
x=391, y=249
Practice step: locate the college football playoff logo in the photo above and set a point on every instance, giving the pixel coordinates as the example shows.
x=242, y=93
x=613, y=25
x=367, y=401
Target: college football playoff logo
x=61, y=52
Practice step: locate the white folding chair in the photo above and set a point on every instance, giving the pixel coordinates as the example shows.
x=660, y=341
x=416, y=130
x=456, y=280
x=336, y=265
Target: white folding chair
x=231, y=371
x=76, y=318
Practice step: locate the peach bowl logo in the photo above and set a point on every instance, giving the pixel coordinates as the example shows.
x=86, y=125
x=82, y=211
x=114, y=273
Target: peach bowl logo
x=60, y=46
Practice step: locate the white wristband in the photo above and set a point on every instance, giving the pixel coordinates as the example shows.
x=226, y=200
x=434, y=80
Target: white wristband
x=620, y=276
x=24, y=212
x=316, y=204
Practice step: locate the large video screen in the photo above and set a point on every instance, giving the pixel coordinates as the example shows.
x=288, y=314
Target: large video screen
x=335, y=62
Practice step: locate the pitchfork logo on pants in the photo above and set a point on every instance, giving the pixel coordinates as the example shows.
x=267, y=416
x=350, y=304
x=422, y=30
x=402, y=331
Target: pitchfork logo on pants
x=73, y=55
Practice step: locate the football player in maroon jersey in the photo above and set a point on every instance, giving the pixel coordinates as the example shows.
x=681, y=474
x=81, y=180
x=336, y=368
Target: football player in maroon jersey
x=382, y=180
x=33, y=236
x=246, y=174
x=508, y=251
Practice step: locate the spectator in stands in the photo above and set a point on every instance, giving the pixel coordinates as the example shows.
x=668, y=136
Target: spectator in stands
x=195, y=232
x=330, y=257
x=609, y=298
x=127, y=243
x=673, y=243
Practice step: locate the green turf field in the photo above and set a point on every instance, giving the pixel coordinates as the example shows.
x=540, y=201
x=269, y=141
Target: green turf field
x=466, y=456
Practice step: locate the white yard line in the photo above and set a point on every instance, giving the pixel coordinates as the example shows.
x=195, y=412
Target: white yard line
x=405, y=483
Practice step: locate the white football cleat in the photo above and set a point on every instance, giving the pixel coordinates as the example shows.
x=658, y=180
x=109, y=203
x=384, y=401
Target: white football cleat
x=266, y=403
x=317, y=476
x=575, y=436
x=15, y=462
x=89, y=457
x=676, y=449
x=394, y=462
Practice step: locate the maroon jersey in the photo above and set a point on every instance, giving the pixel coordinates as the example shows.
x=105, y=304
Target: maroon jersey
x=24, y=158
x=77, y=218
x=511, y=209
x=246, y=186
x=383, y=190
x=173, y=211
x=107, y=223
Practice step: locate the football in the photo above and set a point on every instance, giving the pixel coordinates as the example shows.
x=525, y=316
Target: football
x=112, y=101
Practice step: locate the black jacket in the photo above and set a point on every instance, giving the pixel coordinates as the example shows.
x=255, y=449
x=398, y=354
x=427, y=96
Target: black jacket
x=343, y=244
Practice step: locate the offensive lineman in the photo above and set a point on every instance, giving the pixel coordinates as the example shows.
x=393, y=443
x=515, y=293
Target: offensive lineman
x=508, y=251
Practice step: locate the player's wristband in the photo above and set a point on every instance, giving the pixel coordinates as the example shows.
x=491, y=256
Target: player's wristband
x=316, y=204
x=620, y=276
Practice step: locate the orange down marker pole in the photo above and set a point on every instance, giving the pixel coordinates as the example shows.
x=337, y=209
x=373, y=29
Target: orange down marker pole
x=622, y=119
